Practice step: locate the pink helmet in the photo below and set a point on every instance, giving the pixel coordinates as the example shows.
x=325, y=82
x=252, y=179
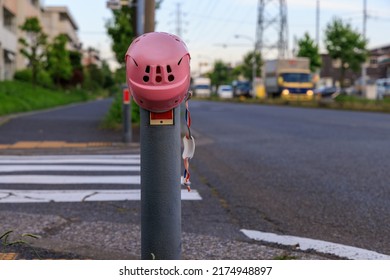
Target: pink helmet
x=158, y=71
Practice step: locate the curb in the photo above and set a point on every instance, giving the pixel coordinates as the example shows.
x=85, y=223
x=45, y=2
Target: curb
x=8, y=256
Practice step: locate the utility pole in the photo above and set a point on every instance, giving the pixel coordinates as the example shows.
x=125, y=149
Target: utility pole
x=150, y=7
x=364, y=70
x=140, y=17
x=318, y=24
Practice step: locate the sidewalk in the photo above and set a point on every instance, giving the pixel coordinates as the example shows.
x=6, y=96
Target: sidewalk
x=64, y=239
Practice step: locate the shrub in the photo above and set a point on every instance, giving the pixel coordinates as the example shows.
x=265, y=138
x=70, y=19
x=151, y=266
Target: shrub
x=24, y=75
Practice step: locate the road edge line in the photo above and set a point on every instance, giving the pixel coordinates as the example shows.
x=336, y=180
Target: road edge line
x=321, y=246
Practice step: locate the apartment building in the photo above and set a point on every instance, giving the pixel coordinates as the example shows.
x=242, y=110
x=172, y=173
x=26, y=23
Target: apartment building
x=8, y=42
x=58, y=20
x=13, y=13
x=91, y=56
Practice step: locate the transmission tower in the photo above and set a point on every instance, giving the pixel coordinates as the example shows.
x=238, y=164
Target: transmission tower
x=272, y=29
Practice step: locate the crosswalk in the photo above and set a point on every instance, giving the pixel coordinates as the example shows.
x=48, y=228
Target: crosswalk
x=72, y=178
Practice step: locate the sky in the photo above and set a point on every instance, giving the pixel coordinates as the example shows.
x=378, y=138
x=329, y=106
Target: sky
x=209, y=26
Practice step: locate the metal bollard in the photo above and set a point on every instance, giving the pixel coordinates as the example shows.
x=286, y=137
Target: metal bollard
x=158, y=75
x=127, y=126
x=160, y=187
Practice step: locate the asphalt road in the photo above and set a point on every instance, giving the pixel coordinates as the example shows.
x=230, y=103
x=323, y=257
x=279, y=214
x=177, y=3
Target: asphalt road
x=315, y=173
x=106, y=229
x=310, y=173
x=73, y=123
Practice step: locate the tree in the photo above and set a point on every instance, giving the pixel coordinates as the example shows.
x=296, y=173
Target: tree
x=34, y=46
x=121, y=31
x=93, y=77
x=58, y=60
x=107, y=75
x=247, y=65
x=309, y=49
x=345, y=44
x=77, y=68
x=221, y=74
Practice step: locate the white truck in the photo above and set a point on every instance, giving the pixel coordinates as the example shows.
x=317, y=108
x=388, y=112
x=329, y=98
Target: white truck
x=288, y=78
x=201, y=87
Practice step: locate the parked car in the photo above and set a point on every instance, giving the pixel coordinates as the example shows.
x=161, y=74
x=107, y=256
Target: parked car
x=225, y=91
x=242, y=88
x=327, y=92
x=383, y=88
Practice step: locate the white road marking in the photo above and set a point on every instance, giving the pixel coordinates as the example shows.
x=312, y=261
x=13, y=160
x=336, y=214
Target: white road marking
x=23, y=168
x=70, y=179
x=48, y=157
x=76, y=163
x=61, y=159
x=340, y=250
x=72, y=159
x=44, y=196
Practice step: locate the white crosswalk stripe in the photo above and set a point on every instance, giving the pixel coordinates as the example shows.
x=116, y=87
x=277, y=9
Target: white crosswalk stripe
x=44, y=175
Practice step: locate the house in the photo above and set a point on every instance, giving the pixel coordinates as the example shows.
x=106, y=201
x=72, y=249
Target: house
x=378, y=67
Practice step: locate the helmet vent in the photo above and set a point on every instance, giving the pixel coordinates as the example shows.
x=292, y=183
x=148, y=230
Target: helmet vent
x=146, y=78
x=147, y=69
x=171, y=78
x=169, y=70
x=158, y=79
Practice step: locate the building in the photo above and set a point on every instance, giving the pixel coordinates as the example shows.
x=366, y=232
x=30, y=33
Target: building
x=8, y=40
x=91, y=56
x=58, y=20
x=13, y=13
x=378, y=67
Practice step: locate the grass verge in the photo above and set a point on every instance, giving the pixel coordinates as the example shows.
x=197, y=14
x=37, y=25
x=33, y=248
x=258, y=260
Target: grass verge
x=113, y=119
x=16, y=97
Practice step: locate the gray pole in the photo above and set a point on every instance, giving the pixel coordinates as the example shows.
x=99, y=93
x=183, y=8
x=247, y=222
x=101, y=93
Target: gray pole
x=126, y=115
x=254, y=64
x=150, y=7
x=140, y=17
x=160, y=189
x=318, y=24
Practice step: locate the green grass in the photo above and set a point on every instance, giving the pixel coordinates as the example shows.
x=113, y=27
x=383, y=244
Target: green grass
x=16, y=96
x=113, y=119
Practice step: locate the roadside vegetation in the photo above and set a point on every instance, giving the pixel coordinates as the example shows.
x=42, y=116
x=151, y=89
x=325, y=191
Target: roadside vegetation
x=17, y=96
x=121, y=29
x=341, y=102
x=54, y=76
x=114, y=117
